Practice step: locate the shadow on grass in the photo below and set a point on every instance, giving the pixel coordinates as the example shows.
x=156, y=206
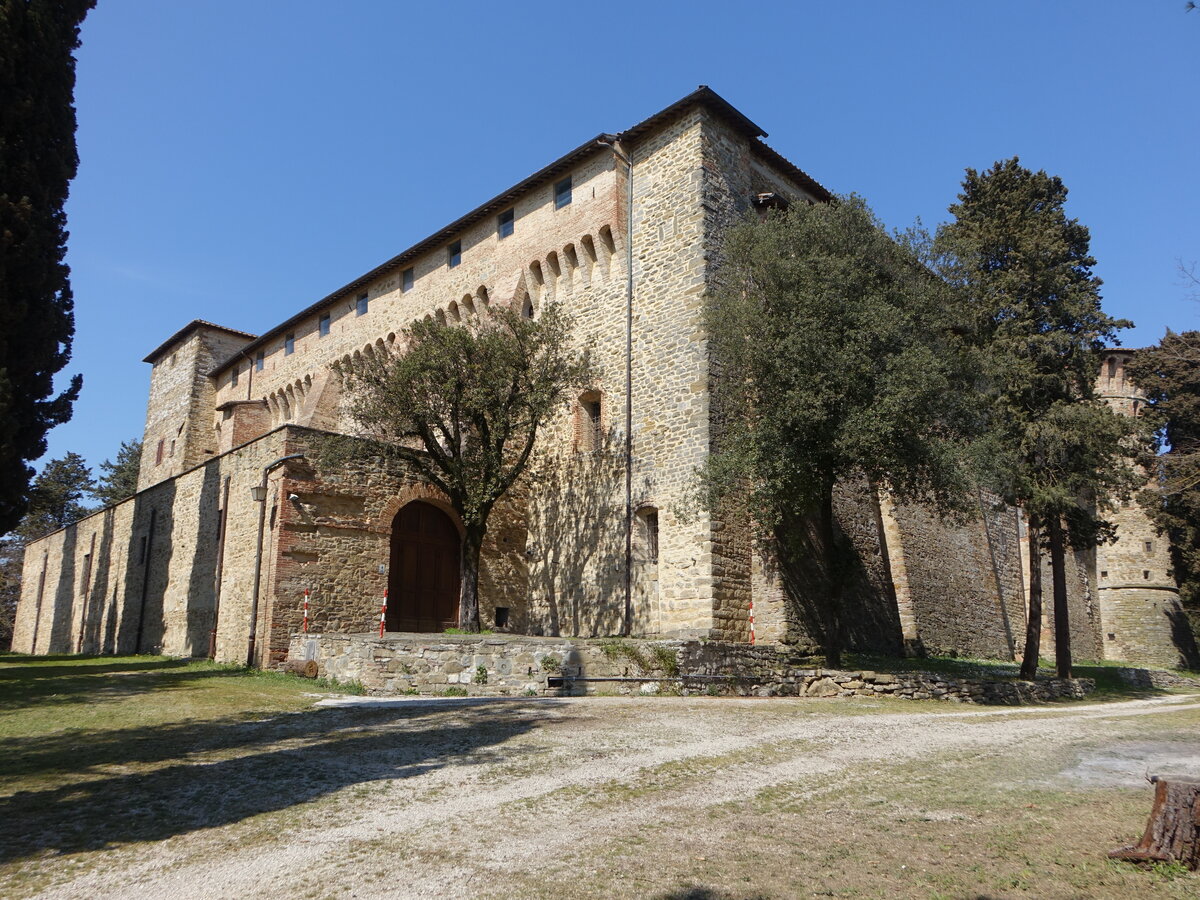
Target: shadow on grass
x=224, y=771
x=33, y=682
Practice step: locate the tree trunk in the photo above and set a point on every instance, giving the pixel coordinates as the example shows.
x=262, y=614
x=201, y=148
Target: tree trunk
x=1033, y=624
x=832, y=605
x=468, y=595
x=1173, y=832
x=1062, y=615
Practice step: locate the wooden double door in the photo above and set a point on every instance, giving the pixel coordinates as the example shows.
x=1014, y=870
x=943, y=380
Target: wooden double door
x=423, y=575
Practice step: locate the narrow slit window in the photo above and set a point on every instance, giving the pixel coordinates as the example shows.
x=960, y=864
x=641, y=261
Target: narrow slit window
x=361, y=305
x=289, y=345
x=259, y=360
x=158, y=454
x=454, y=254
x=323, y=325
x=233, y=377
x=504, y=223
x=562, y=193
x=406, y=280
x=649, y=519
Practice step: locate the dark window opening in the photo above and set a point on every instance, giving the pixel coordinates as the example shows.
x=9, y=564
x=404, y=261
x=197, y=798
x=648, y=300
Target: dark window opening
x=454, y=254
x=171, y=452
x=289, y=345
x=501, y=616
x=406, y=280
x=527, y=307
x=1149, y=546
x=1146, y=574
x=1111, y=636
x=504, y=223
x=649, y=519
x=259, y=360
x=360, y=305
x=562, y=193
x=158, y=454
x=323, y=325
x=595, y=428
x=233, y=377
x=1104, y=573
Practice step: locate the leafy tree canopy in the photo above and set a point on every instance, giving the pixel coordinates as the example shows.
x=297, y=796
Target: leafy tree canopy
x=37, y=161
x=461, y=407
x=835, y=357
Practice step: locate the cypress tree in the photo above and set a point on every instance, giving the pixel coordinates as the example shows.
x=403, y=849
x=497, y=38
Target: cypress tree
x=38, y=159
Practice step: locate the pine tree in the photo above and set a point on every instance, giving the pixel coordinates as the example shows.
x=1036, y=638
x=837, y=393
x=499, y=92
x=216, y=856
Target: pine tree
x=38, y=159
x=119, y=477
x=55, y=500
x=1026, y=271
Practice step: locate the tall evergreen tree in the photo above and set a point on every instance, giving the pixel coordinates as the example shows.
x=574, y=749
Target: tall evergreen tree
x=1026, y=271
x=37, y=161
x=56, y=498
x=835, y=360
x=119, y=477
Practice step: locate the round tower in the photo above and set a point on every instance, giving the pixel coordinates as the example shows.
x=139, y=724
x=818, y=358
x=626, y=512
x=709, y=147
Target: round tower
x=1140, y=613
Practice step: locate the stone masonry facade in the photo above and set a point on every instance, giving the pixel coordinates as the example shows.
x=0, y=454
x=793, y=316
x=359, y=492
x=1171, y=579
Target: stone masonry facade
x=172, y=569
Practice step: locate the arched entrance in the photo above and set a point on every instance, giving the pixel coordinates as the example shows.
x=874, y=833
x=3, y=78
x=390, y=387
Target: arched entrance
x=423, y=575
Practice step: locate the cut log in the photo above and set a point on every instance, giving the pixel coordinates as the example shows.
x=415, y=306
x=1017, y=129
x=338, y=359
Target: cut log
x=1173, y=832
x=304, y=667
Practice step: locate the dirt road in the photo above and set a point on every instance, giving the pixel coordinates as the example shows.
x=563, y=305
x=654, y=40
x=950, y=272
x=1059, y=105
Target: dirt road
x=660, y=797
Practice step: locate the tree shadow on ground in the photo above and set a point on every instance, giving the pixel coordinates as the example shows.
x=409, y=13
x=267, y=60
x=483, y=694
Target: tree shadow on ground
x=699, y=892
x=219, y=773
x=41, y=685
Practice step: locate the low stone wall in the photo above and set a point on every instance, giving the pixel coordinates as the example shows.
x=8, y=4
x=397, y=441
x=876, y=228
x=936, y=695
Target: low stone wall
x=501, y=665
x=1155, y=678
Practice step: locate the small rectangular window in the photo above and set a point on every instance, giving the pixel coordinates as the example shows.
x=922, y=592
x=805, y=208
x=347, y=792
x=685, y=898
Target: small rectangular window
x=562, y=193
x=504, y=223
x=172, y=450
x=233, y=377
x=454, y=254
x=323, y=325
x=1146, y=574
x=259, y=359
x=594, y=423
x=360, y=305
x=158, y=454
x=1149, y=546
x=651, y=536
x=1104, y=573
x=406, y=280
x=289, y=345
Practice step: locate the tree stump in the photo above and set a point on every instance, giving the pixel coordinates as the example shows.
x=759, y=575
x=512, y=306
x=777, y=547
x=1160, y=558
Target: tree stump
x=304, y=667
x=1173, y=832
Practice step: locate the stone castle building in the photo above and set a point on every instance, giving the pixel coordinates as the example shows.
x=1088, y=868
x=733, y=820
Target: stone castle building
x=623, y=231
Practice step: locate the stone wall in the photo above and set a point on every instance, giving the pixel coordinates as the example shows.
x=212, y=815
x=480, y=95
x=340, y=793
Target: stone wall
x=511, y=665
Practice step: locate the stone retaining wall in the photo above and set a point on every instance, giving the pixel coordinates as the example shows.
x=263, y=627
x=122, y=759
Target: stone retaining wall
x=519, y=665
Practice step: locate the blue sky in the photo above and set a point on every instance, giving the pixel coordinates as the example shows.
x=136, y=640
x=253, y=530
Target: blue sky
x=240, y=160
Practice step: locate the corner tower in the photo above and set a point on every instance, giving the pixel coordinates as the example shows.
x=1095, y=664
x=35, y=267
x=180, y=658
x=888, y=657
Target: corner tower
x=179, y=416
x=1141, y=618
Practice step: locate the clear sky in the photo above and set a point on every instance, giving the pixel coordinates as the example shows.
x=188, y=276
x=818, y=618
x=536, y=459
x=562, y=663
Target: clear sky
x=241, y=159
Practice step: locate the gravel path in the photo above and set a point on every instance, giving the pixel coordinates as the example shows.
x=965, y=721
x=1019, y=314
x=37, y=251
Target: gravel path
x=450, y=797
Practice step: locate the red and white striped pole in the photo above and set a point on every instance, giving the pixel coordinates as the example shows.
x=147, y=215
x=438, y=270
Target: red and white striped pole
x=306, y=610
x=751, y=620
x=383, y=613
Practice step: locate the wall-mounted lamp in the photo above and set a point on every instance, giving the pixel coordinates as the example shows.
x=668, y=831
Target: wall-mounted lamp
x=259, y=493
x=293, y=498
